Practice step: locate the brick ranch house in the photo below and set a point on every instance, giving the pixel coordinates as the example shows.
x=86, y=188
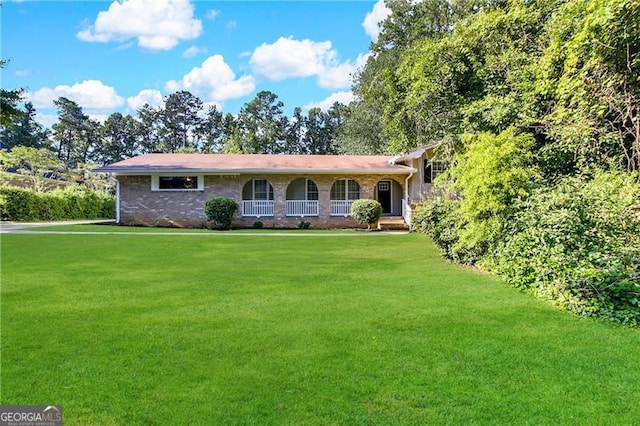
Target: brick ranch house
x=277, y=190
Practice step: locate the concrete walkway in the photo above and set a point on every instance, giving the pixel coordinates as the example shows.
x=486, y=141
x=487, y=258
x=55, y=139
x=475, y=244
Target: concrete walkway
x=32, y=228
x=7, y=227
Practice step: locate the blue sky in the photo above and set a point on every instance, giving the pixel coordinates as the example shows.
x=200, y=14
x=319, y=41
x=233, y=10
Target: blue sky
x=116, y=55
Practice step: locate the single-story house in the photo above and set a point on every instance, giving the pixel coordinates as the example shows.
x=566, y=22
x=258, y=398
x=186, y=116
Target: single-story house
x=278, y=190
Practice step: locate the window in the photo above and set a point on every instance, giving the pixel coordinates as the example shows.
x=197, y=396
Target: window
x=345, y=189
x=312, y=190
x=257, y=189
x=433, y=169
x=262, y=190
x=177, y=183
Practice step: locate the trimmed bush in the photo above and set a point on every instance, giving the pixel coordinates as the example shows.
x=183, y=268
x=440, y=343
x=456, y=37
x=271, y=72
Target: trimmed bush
x=21, y=204
x=220, y=211
x=366, y=211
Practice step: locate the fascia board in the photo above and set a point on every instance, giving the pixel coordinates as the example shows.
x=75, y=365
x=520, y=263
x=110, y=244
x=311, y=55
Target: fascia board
x=402, y=170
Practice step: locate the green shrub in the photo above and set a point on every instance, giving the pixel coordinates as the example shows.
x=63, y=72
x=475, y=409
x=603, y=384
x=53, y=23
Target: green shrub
x=491, y=175
x=578, y=244
x=21, y=204
x=220, y=211
x=304, y=224
x=366, y=211
x=258, y=225
x=442, y=220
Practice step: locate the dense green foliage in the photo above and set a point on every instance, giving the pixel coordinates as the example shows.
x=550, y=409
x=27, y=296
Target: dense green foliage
x=75, y=202
x=365, y=211
x=220, y=211
x=536, y=106
x=353, y=328
x=578, y=244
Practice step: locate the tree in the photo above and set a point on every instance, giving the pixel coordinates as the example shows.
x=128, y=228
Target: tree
x=150, y=120
x=76, y=134
x=361, y=132
x=261, y=125
x=24, y=130
x=120, y=139
x=318, y=137
x=215, y=129
x=35, y=164
x=591, y=69
x=179, y=121
x=9, y=100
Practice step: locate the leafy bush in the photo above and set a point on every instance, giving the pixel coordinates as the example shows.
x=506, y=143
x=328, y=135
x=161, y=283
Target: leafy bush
x=258, y=225
x=21, y=204
x=493, y=174
x=579, y=245
x=220, y=211
x=366, y=211
x=304, y=224
x=442, y=220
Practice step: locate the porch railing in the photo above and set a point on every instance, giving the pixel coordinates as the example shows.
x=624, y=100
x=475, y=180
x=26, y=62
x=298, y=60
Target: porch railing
x=302, y=208
x=257, y=208
x=341, y=207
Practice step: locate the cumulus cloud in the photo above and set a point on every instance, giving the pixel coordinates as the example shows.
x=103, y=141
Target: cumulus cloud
x=214, y=81
x=287, y=58
x=342, y=97
x=146, y=96
x=158, y=24
x=290, y=58
x=373, y=19
x=89, y=94
x=341, y=75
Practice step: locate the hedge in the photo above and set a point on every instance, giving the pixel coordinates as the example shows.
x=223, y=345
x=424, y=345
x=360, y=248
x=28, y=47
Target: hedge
x=20, y=204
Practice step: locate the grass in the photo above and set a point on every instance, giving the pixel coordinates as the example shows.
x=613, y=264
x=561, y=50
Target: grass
x=131, y=329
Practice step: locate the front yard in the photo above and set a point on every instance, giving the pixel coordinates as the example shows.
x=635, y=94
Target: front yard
x=271, y=329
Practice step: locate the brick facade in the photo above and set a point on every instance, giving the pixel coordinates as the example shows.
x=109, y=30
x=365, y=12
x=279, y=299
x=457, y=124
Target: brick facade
x=139, y=205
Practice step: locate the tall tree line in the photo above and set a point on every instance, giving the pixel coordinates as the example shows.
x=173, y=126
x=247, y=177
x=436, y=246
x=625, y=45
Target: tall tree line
x=182, y=124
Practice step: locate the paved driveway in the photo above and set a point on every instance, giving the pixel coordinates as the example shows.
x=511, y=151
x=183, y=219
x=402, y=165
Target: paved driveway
x=7, y=227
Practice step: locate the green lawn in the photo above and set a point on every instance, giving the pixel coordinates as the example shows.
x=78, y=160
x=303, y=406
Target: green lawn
x=175, y=329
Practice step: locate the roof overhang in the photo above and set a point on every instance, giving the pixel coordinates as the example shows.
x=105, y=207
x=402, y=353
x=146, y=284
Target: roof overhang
x=417, y=153
x=397, y=170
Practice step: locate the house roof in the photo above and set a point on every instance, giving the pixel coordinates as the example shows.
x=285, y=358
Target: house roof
x=255, y=163
x=416, y=153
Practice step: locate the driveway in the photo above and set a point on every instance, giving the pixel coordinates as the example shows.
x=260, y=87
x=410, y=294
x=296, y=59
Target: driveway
x=7, y=227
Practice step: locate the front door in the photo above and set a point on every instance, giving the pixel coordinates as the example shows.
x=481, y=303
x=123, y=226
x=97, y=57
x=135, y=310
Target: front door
x=384, y=196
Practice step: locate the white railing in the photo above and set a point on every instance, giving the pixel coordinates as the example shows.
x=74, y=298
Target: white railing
x=302, y=208
x=341, y=207
x=257, y=208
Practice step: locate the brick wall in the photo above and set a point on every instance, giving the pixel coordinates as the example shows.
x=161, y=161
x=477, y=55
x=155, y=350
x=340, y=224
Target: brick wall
x=141, y=206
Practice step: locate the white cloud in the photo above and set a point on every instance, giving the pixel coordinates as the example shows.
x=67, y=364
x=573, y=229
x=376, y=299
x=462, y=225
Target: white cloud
x=194, y=51
x=287, y=58
x=157, y=24
x=47, y=120
x=214, y=81
x=90, y=95
x=290, y=58
x=373, y=19
x=212, y=14
x=342, y=97
x=146, y=96
x=341, y=75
